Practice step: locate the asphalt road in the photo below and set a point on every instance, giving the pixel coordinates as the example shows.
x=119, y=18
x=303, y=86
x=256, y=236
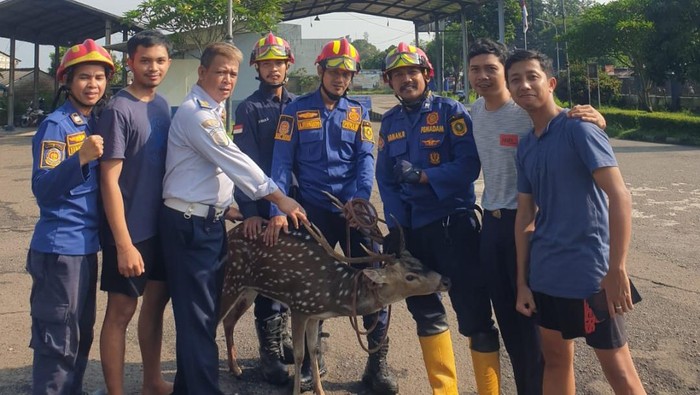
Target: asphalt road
x=664, y=329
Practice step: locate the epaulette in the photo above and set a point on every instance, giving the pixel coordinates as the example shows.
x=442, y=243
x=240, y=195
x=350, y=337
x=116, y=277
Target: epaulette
x=202, y=103
x=77, y=119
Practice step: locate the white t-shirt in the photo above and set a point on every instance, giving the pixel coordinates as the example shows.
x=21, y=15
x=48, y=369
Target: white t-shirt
x=497, y=134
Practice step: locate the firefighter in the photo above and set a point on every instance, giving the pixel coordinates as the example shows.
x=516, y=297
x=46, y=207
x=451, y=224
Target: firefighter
x=254, y=132
x=426, y=167
x=325, y=139
x=62, y=257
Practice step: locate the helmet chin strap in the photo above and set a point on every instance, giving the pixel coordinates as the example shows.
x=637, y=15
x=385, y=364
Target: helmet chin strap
x=283, y=83
x=413, y=105
x=330, y=95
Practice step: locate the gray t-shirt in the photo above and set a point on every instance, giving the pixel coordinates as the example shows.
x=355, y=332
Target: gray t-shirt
x=497, y=134
x=137, y=132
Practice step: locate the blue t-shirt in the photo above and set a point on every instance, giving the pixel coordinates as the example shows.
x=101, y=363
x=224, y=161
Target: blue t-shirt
x=569, y=250
x=137, y=132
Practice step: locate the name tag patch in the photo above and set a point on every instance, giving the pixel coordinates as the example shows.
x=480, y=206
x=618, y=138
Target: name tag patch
x=509, y=140
x=75, y=141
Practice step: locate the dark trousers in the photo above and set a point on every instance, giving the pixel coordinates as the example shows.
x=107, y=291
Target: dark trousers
x=450, y=246
x=194, y=251
x=520, y=333
x=62, y=304
x=333, y=227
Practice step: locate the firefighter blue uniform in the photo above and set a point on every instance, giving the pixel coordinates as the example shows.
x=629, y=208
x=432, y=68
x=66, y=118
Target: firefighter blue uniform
x=62, y=258
x=440, y=226
x=332, y=151
x=201, y=163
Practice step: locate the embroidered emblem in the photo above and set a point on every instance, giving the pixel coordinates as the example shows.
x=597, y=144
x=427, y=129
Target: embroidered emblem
x=380, y=143
x=284, y=128
x=52, y=154
x=354, y=114
x=238, y=129
x=350, y=125
x=77, y=119
x=367, y=133
x=396, y=136
x=459, y=127
x=434, y=158
x=430, y=143
x=210, y=124
x=308, y=114
x=219, y=136
x=509, y=140
x=75, y=141
x=432, y=118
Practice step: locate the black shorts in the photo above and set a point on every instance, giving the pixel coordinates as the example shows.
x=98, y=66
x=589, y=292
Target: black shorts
x=112, y=281
x=586, y=318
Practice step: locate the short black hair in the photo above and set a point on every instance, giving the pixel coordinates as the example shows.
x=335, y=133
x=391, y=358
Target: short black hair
x=487, y=46
x=521, y=55
x=147, y=39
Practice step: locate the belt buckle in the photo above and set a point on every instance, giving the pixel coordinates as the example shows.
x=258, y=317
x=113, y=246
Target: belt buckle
x=496, y=213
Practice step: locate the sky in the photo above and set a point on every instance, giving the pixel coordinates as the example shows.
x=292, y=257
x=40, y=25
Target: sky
x=382, y=32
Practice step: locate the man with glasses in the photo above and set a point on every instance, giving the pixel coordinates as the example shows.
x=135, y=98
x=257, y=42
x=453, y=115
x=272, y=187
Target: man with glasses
x=254, y=132
x=326, y=141
x=426, y=167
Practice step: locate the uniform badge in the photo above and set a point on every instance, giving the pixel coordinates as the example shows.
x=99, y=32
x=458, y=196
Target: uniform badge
x=77, y=119
x=309, y=120
x=434, y=158
x=430, y=143
x=284, y=128
x=238, y=129
x=214, y=128
x=459, y=127
x=354, y=114
x=432, y=118
x=52, y=154
x=367, y=133
x=75, y=141
x=380, y=143
x=202, y=103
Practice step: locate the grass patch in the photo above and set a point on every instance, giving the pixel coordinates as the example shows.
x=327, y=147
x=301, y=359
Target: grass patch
x=661, y=127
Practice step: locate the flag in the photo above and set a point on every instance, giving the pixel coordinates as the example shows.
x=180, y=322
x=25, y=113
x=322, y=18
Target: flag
x=524, y=8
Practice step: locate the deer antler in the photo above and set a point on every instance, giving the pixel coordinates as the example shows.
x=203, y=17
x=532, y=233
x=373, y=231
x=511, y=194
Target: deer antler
x=364, y=215
x=372, y=256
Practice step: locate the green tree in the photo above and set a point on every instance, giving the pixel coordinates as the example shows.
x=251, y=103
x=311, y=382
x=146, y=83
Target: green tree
x=200, y=22
x=368, y=53
x=619, y=30
x=676, y=44
x=580, y=84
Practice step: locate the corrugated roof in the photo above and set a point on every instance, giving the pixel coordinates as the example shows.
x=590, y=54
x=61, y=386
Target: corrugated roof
x=55, y=22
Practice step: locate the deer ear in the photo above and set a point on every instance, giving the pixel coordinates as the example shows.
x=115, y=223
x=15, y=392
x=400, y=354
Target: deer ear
x=375, y=276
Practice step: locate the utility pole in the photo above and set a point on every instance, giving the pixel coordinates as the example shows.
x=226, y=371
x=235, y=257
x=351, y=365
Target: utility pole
x=566, y=56
x=229, y=39
x=556, y=33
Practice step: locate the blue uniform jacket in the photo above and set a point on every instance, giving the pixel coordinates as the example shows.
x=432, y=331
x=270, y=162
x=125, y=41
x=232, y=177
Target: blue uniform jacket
x=254, y=133
x=327, y=150
x=67, y=194
x=437, y=139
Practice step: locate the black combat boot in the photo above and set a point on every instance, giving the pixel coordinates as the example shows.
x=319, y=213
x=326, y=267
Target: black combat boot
x=307, y=381
x=377, y=376
x=269, y=335
x=287, y=356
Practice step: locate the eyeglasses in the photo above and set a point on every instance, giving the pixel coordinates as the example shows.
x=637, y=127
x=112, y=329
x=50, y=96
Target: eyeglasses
x=272, y=51
x=404, y=59
x=341, y=63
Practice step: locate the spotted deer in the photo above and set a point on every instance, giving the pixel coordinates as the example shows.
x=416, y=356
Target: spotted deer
x=316, y=283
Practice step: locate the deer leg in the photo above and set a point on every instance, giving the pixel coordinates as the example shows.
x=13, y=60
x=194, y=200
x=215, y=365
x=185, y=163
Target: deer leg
x=235, y=312
x=312, y=341
x=299, y=325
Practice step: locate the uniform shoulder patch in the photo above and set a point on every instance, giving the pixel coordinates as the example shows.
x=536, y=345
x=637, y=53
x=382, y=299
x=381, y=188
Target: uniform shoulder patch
x=77, y=119
x=459, y=127
x=367, y=133
x=52, y=153
x=238, y=128
x=214, y=128
x=284, y=128
x=380, y=143
x=202, y=103
x=75, y=141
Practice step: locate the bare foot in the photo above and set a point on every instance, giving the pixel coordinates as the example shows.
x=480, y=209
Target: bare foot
x=162, y=388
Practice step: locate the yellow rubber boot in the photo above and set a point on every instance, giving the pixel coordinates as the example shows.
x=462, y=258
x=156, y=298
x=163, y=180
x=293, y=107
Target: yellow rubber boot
x=487, y=372
x=439, y=362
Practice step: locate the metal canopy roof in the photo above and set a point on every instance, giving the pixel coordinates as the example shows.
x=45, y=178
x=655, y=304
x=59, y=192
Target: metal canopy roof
x=55, y=22
x=420, y=12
